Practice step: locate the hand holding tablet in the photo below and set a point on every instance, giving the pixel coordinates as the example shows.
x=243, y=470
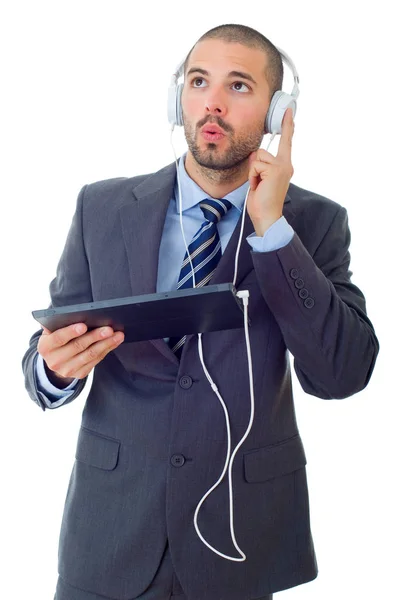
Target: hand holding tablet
x=72, y=352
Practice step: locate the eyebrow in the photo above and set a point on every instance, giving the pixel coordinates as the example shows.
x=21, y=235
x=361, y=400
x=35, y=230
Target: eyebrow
x=231, y=74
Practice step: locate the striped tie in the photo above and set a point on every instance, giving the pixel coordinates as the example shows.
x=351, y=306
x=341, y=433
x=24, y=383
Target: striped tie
x=205, y=253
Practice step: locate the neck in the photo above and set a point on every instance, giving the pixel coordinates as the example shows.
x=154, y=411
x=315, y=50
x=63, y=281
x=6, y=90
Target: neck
x=216, y=184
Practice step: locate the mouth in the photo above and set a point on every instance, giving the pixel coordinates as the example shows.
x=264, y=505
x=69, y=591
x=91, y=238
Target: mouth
x=211, y=128
x=212, y=136
x=212, y=133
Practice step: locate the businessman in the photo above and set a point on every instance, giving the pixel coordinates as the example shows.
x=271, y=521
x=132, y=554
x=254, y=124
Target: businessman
x=153, y=438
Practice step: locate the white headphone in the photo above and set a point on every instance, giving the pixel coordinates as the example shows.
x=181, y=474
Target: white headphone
x=280, y=102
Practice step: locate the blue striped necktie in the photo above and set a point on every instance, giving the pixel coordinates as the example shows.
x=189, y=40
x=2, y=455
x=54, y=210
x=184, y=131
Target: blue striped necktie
x=205, y=253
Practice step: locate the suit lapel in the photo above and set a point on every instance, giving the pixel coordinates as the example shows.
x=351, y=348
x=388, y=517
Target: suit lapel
x=142, y=222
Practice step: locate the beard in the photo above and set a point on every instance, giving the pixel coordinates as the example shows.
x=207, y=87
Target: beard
x=209, y=155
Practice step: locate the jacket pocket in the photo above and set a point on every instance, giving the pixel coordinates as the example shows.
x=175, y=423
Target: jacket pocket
x=97, y=450
x=280, y=459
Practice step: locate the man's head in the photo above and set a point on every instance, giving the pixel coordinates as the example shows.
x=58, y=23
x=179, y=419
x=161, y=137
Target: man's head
x=214, y=94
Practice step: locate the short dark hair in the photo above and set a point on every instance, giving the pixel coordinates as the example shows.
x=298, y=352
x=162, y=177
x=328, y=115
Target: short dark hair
x=251, y=38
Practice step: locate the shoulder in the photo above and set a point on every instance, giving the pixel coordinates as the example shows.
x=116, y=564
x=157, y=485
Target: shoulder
x=107, y=190
x=313, y=215
x=304, y=202
x=116, y=191
x=108, y=195
x=312, y=212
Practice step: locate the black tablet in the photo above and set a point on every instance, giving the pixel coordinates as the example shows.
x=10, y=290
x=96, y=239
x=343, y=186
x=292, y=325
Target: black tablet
x=154, y=316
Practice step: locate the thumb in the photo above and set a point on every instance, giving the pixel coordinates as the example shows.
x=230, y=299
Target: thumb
x=45, y=330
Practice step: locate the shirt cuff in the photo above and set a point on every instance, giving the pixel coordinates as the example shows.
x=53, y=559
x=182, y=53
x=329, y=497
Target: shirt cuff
x=46, y=386
x=279, y=234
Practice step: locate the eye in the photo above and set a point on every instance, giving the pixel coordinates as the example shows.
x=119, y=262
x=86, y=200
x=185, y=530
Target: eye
x=241, y=83
x=201, y=79
x=197, y=79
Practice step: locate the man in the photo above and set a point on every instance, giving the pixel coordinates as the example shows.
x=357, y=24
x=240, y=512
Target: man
x=153, y=437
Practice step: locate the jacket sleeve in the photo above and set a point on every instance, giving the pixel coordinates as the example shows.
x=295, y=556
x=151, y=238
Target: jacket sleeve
x=321, y=313
x=70, y=286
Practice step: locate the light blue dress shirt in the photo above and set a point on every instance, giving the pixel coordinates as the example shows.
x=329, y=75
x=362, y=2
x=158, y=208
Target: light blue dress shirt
x=172, y=248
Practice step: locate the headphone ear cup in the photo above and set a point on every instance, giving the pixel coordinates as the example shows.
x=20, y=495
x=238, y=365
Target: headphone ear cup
x=174, y=104
x=179, y=112
x=279, y=104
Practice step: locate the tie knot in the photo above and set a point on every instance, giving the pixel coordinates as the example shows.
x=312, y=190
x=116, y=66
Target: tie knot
x=214, y=210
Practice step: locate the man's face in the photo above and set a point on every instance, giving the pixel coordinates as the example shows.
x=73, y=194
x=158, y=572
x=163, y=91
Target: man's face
x=234, y=103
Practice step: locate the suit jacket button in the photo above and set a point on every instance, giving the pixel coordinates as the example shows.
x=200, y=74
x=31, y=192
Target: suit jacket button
x=303, y=293
x=309, y=302
x=294, y=273
x=299, y=283
x=186, y=382
x=177, y=460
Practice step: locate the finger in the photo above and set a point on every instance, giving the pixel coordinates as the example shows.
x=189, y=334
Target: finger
x=58, y=357
x=258, y=167
x=285, y=142
x=253, y=181
x=84, y=371
x=62, y=336
x=83, y=362
x=259, y=170
x=262, y=156
x=288, y=117
x=89, y=366
x=265, y=156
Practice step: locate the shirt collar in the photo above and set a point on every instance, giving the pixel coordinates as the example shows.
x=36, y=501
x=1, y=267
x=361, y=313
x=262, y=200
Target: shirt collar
x=192, y=194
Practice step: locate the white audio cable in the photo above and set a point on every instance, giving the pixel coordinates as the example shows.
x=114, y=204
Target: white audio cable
x=244, y=295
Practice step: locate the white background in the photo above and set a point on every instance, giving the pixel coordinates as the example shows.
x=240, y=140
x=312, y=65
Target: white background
x=84, y=91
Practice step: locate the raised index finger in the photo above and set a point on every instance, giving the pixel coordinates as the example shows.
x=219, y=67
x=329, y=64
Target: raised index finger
x=285, y=143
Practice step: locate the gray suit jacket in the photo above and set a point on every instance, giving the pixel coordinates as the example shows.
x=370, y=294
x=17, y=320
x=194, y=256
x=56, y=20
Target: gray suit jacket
x=153, y=436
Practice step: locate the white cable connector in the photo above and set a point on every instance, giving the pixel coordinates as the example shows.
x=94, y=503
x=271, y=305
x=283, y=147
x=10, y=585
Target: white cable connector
x=244, y=295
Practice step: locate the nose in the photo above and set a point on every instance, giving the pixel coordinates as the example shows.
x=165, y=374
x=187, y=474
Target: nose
x=216, y=106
